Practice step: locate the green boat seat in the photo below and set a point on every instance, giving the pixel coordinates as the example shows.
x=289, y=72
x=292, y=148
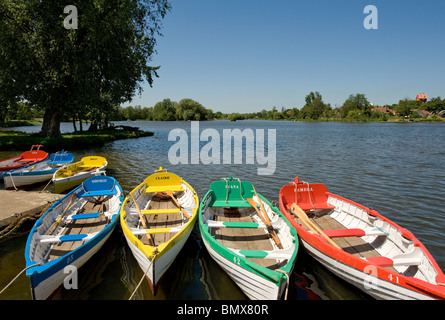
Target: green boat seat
x=234, y=224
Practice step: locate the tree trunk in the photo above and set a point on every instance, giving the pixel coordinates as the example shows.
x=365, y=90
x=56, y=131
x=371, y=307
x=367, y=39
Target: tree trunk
x=51, y=123
x=74, y=124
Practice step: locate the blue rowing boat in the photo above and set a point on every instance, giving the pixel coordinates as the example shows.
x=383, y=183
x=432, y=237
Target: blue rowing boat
x=70, y=233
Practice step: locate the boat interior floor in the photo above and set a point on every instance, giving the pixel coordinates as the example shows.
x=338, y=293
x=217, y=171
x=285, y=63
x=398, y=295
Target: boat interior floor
x=81, y=226
x=161, y=220
x=353, y=245
x=243, y=238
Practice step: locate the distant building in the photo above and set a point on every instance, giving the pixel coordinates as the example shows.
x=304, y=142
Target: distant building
x=384, y=109
x=421, y=97
x=423, y=113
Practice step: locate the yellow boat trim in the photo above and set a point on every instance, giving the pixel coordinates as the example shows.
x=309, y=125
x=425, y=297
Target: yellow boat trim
x=161, y=211
x=150, y=251
x=155, y=189
x=158, y=230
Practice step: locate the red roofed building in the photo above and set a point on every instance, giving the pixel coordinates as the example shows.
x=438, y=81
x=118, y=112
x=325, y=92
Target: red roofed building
x=421, y=97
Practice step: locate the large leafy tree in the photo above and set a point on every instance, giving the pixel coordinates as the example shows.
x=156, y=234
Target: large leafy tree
x=82, y=71
x=314, y=107
x=355, y=105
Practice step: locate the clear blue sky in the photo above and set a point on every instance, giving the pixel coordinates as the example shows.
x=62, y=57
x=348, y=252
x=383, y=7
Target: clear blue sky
x=249, y=55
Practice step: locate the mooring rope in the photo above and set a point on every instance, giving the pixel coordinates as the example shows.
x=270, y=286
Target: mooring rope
x=13, y=184
x=287, y=282
x=18, y=276
x=143, y=276
x=44, y=189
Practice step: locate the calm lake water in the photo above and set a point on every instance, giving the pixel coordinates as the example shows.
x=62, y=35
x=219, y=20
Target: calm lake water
x=397, y=168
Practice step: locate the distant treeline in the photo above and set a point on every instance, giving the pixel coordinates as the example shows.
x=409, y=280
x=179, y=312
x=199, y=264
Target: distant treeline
x=355, y=108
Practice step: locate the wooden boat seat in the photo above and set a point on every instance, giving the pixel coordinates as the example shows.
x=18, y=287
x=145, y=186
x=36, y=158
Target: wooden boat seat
x=98, y=193
x=262, y=254
x=85, y=216
x=233, y=203
x=66, y=238
x=162, y=211
x=139, y=232
x=387, y=262
x=234, y=224
x=355, y=232
x=156, y=189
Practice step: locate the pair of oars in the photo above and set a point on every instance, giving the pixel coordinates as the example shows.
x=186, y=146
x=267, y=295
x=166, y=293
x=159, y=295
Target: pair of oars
x=265, y=218
x=311, y=226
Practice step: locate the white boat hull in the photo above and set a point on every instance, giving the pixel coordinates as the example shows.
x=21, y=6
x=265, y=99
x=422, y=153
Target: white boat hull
x=373, y=286
x=157, y=269
x=46, y=288
x=15, y=181
x=253, y=286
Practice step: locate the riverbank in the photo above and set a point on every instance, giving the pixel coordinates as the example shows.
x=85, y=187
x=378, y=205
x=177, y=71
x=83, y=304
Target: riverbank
x=19, y=206
x=15, y=140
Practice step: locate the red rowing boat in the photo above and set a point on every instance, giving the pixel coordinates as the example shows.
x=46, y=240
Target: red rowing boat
x=361, y=246
x=28, y=157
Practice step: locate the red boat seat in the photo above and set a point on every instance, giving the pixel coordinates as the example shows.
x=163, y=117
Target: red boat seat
x=340, y=233
x=381, y=261
x=307, y=196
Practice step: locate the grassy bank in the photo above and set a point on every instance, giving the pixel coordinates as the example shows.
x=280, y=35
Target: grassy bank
x=14, y=140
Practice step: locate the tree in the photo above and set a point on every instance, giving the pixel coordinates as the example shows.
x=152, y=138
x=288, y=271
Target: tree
x=314, y=107
x=164, y=110
x=435, y=105
x=405, y=106
x=88, y=70
x=359, y=106
x=188, y=109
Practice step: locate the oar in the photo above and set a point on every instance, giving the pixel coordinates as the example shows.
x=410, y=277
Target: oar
x=57, y=223
x=149, y=237
x=139, y=212
x=296, y=210
x=171, y=195
x=267, y=218
x=266, y=221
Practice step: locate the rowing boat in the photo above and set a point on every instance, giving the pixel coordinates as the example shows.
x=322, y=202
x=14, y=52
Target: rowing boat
x=361, y=246
x=72, y=230
x=157, y=218
x=38, y=172
x=249, y=238
x=28, y=157
x=74, y=174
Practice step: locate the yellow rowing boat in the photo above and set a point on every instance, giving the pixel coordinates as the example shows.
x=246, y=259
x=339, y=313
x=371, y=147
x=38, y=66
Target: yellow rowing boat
x=74, y=174
x=157, y=218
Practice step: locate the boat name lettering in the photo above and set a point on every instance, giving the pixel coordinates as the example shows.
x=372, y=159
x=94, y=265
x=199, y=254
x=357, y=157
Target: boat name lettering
x=163, y=178
x=230, y=186
x=305, y=189
x=98, y=181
